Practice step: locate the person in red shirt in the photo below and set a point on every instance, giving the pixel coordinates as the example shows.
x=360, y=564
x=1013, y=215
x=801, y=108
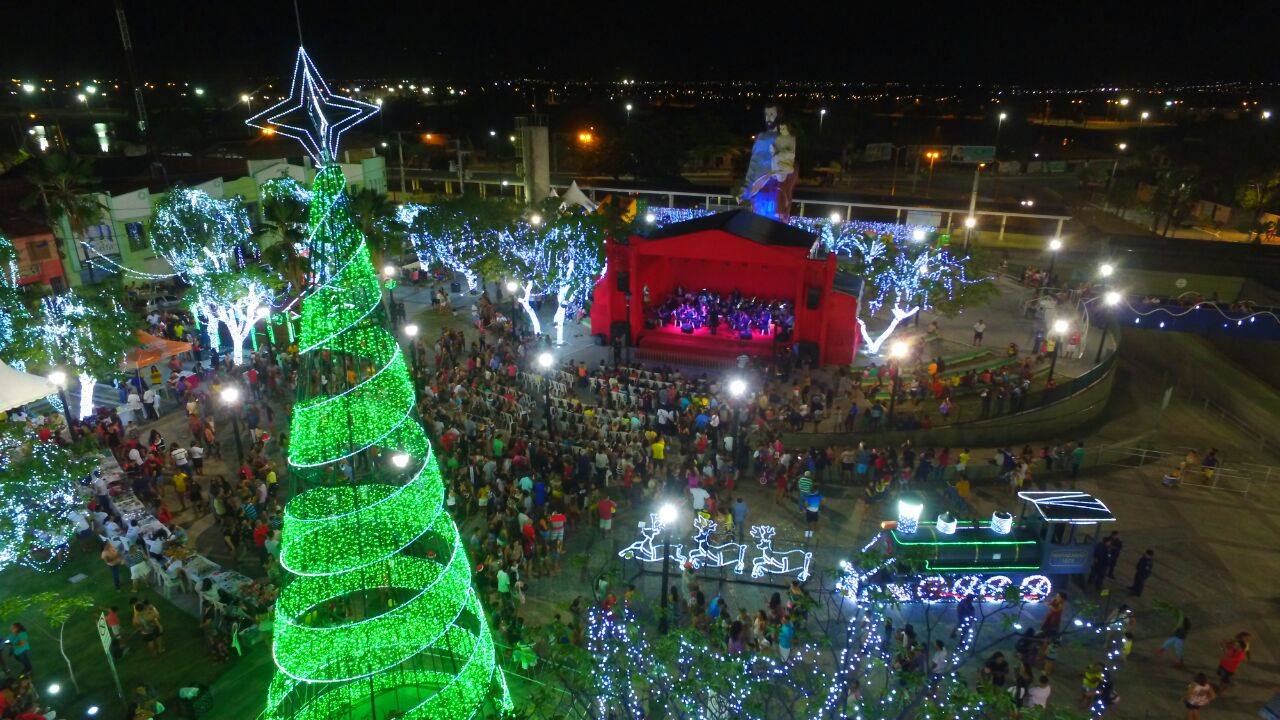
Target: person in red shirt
x=1233, y=653
x=606, y=508
x=260, y=532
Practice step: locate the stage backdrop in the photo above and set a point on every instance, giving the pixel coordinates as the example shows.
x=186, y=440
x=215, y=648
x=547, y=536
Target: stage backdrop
x=734, y=250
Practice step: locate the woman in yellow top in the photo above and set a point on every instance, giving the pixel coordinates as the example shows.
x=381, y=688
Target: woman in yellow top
x=659, y=449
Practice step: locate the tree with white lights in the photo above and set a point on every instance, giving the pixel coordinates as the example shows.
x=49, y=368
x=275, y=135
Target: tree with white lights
x=14, y=315
x=209, y=242
x=89, y=337
x=905, y=275
x=37, y=497
x=460, y=234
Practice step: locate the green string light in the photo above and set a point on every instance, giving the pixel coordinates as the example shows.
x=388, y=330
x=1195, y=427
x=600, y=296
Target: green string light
x=380, y=611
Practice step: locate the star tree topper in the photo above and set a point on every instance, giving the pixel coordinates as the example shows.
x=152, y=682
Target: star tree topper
x=312, y=114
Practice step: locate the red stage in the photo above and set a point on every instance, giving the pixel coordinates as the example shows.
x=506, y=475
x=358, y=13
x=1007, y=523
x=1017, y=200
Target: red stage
x=723, y=253
x=670, y=344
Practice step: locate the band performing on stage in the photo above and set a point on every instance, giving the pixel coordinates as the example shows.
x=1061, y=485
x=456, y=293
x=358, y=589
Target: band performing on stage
x=741, y=316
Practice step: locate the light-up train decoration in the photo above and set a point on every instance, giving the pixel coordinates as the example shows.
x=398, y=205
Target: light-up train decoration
x=952, y=558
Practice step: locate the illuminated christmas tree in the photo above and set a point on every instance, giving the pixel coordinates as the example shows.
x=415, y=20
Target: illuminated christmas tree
x=380, y=618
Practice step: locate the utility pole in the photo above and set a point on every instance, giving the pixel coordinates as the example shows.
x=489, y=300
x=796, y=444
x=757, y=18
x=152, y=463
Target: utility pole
x=915, y=174
x=461, y=172
x=133, y=71
x=400, y=152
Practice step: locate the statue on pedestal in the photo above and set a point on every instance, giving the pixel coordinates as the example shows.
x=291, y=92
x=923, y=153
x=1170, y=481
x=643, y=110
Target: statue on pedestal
x=771, y=174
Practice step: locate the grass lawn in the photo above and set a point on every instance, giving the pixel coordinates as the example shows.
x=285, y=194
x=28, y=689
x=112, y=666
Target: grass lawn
x=184, y=662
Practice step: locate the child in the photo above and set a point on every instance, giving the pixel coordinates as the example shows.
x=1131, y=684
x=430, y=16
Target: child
x=1050, y=656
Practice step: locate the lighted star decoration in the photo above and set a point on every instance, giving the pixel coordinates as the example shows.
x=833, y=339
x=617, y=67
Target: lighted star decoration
x=312, y=114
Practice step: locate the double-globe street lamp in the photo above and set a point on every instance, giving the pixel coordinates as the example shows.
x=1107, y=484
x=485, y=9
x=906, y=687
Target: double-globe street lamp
x=737, y=390
x=897, y=352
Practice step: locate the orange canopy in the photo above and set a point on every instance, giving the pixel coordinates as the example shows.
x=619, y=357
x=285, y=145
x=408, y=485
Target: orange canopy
x=152, y=350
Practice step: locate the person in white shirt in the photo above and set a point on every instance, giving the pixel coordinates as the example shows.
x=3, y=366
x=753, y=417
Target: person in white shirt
x=699, y=496
x=180, y=458
x=197, y=458
x=938, y=660
x=152, y=400
x=1038, y=696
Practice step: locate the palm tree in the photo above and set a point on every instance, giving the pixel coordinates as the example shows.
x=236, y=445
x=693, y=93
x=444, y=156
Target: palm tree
x=281, y=235
x=62, y=190
x=374, y=211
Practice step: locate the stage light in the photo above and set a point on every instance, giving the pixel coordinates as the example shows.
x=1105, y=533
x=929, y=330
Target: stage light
x=400, y=460
x=737, y=387
x=918, y=235
x=667, y=514
x=1105, y=269
x=411, y=330
x=970, y=222
x=1055, y=244
x=1060, y=327
x=546, y=360
x=1112, y=298
x=834, y=217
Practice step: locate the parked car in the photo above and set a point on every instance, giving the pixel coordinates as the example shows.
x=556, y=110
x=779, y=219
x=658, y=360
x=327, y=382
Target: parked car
x=163, y=302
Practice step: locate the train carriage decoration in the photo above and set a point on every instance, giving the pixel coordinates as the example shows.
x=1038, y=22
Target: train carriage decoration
x=950, y=558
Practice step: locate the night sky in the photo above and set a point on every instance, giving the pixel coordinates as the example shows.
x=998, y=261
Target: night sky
x=1039, y=43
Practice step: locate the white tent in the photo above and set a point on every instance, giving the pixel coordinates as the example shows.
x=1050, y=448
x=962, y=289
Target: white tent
x=18, y=388
x=574, y=195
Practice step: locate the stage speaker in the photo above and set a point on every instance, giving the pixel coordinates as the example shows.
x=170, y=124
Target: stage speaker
x=624, y=281
x=814, y=298
x=620, y=329
x=807, y=352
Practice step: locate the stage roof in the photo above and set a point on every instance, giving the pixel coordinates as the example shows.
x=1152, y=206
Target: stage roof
x=744, y=224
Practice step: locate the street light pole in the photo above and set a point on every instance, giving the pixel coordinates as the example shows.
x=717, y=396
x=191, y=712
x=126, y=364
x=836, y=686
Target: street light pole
x=1111, y=299
x=666, y=516
x=59, y=378
x=897, y=352
x=999, y=125
x=230, y=395
x=1059, y=329
x=545, y=361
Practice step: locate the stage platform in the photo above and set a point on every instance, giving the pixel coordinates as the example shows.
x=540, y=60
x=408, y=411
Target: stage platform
x=669, y=345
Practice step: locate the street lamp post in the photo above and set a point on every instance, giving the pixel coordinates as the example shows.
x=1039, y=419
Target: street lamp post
x=999, y=125
x=230, y=395
x=1111, y=299
x=389, y=272
x=511, y=287
x=822, y=115
x=972, y=221
x=666, y=516
x=545, y=361
x=1054, y=246
x=932, y=155
x=628, y=113
x=59, y=378
x=737, y=390
x=1059, y=329
x=411, y=332
x=897, y=352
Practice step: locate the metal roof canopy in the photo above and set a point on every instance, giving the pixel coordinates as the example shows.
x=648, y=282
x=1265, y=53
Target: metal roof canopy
x=1067, y=506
